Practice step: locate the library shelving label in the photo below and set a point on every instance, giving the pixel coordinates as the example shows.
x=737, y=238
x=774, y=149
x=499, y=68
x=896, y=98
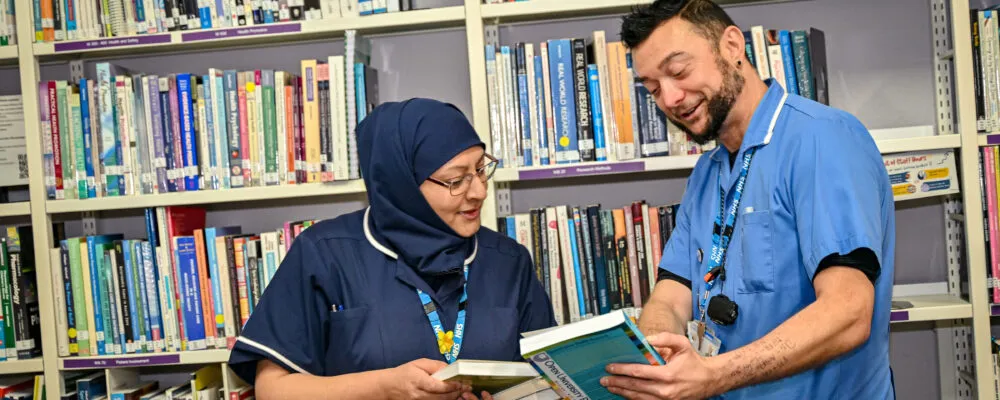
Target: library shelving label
x=581, y=170
x=995, y=309
x=130, y=361
x=993, y=139
x=112, y=42
x=901, y=315
x=242, y=31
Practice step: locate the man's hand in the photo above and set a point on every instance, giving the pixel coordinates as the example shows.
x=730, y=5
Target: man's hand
x=687, y=375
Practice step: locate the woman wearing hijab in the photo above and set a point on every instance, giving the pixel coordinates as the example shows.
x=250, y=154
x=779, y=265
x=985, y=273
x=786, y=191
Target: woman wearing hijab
x=369, y=304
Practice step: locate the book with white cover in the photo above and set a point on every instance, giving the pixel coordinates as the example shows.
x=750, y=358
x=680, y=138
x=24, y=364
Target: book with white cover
x=491, y=376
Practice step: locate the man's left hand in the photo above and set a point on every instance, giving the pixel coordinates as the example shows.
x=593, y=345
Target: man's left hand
x=686, y=375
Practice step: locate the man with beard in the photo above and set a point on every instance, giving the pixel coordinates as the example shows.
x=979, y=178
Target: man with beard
x=777, y=278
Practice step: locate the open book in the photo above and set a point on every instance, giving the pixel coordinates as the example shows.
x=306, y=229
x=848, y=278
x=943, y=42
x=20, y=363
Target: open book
x=573, y=357
x=491, y=376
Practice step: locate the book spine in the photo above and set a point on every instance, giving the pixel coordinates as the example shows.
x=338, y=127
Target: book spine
x=567, y=144
x=585, y=129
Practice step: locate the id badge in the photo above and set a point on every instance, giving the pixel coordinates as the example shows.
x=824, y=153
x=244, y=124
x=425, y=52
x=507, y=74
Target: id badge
x=703, y=339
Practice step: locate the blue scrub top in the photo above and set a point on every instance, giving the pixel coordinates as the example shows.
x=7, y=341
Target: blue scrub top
x=817, y=185
x=382, y=325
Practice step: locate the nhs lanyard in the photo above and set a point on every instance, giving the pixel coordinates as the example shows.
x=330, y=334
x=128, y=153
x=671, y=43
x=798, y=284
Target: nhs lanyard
x=722, y=231
x=450, y=342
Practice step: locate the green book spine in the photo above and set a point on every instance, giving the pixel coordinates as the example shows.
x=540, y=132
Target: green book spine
x=68, y=166
x=79, y=157
x=111, y=338
x=270, y=129
x=803, y=64
x=9, y=338
x=76, y=277
x=143, y=341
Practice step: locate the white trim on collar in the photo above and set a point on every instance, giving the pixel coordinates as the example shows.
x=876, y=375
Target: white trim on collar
x=378, y=246
x=774, y=118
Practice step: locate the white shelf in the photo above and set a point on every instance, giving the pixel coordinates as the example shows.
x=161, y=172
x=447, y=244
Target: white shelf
x=8, y=53
x=18, y=209
x=207, y=197
x=12, y=367
x=687, y=162
x=555, y=9
x=933, y=307
x=277, y=33
x=145, y=360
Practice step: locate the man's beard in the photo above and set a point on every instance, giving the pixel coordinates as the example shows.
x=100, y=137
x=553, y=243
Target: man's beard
x=719, y=105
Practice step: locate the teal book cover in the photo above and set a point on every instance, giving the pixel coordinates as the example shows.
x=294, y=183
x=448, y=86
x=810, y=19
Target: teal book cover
x=573, y=357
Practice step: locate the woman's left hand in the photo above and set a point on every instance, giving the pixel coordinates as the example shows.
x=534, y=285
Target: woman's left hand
x=470, y=396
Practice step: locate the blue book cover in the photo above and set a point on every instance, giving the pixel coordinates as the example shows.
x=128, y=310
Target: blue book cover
x=187, y=272
x=594, y=87
x=95, y=251
x=211, y=178
x=91, y=386
x=133, y=300
x=575, y=251
x=523, y=105
x=85, y=123
x=563, y=101
x=188, y=142
x=168, y=135
x=573, y=357
x=139, y=276
x=542, y=132
x=792, y=82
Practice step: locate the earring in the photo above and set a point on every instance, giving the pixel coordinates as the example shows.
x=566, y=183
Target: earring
x=739, y=63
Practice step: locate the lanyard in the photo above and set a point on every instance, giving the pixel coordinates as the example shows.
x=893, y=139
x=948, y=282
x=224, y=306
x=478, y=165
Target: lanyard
x=722, y=232
x=450, y=342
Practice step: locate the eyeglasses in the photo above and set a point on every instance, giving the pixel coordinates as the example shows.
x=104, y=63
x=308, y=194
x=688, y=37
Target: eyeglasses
x=460, y=185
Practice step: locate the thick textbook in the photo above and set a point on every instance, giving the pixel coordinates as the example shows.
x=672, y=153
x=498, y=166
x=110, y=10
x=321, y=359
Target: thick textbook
x=491, y=376
x=573, y=357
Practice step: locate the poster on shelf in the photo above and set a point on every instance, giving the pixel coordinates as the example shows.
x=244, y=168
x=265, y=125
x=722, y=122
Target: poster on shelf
x=922, y=173
x=13, y=149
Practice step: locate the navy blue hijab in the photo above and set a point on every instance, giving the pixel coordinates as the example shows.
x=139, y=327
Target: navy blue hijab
x=400, y=144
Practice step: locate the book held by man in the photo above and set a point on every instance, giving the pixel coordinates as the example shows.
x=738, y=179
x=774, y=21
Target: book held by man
x=573, y=357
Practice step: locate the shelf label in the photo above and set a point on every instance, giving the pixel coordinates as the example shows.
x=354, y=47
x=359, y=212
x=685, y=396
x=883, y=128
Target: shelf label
x=112, y=42
x=581, y=170
x=992, y=139
x=899, y=315
x=240, y=32
x=122, y=361
x=995, y=309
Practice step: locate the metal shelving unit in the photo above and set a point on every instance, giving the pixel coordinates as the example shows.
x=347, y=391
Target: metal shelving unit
x=961, y=320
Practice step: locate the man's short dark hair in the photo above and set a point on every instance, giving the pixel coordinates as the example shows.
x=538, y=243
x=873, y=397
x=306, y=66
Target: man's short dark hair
x=709, y=20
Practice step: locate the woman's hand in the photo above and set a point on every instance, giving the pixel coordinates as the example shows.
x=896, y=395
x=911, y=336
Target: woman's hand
x=413, y=380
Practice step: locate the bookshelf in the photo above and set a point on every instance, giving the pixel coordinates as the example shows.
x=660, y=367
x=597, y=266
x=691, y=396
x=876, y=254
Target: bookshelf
x=960, y=318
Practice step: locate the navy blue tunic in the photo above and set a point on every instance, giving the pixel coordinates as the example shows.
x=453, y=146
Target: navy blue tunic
x=382, y=325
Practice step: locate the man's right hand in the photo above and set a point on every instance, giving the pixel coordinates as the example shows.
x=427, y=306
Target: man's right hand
x=413, y=380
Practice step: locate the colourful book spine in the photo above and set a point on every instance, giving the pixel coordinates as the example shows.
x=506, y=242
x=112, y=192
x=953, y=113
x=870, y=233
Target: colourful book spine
x=152, y=297
x=595, y=110
x=188, y=141
x=194, y=325
x=79, y=150
x=156, y=135
x=230, y=85
x=175, y=129
x=76, y=276
x=66, y=140
x=560, y=70
x=67, y=288
x=270, y=129
x=6, y=296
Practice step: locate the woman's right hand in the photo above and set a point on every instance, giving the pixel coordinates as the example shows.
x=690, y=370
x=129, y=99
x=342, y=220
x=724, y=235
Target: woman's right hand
x=413, y=380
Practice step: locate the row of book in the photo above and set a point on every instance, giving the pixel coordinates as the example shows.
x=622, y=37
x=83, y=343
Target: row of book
x=576, y=100
x=989, y=182
x=124, y=133
x=184, y=287
x=593, y=260
x=8, y=26
x=203, y=383
x=63, y=20
x=983, y=24
x=20, y=331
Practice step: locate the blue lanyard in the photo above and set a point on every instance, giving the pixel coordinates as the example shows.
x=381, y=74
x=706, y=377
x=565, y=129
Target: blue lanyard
x=722, y=232
x=450, y=342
